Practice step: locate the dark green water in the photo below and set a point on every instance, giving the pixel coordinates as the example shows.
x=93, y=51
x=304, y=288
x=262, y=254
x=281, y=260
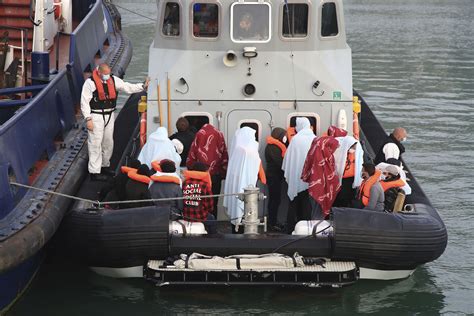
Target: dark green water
x=414, y=63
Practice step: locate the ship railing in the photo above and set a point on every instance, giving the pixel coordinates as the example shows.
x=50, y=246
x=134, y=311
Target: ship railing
x=23, y=48
x=19, y=90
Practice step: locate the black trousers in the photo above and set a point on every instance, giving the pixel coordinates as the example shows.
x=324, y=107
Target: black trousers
x=299, y=209
x=346, y=194
x=216, y=189
x=274, y=184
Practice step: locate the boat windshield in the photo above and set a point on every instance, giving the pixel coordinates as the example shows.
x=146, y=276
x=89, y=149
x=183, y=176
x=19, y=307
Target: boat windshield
x=250, y=22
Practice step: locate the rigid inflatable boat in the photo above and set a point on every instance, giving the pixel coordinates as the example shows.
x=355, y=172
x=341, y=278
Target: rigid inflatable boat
x=47, y=48
x=298, y=64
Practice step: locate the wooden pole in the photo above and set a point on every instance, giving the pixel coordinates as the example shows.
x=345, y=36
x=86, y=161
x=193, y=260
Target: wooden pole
x=160, y=108
x=169, y=105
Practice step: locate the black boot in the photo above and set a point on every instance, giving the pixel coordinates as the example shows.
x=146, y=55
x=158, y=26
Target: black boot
x=107, y=171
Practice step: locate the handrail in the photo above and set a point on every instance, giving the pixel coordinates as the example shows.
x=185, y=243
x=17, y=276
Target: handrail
x=16, y=90
x=24, y=47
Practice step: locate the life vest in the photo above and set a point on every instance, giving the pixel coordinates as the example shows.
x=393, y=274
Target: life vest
x=261, y=174
x=138, y=177
x=349, y=170
x=165, y=179
x=279, y=144
x=200, y=175
x=156, y=165
x=105, y=96
x=127, y=169
x=364, y=192
x=392, y=184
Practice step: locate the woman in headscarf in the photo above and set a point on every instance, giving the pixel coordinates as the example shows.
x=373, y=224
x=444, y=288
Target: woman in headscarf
x=274, y=153
x=293, y=162
x=348, y=158
x=243, y=170
x=159, y=147
x=319, y=172
x=209, y=148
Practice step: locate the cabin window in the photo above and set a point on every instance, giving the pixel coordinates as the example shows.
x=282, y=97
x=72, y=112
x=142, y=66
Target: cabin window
x=295, y=20
x=171, y=19
x=253, y=124
x=197, y=120
x=329, y=20
x=205, y=20
x=313, y=120
x=250, y=22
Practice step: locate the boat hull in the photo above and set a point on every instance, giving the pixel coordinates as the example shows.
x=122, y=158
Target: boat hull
x=32, y=221
x=383, y=245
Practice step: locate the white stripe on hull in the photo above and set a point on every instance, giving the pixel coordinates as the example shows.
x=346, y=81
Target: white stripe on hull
x=373, y=274
x=129, y=272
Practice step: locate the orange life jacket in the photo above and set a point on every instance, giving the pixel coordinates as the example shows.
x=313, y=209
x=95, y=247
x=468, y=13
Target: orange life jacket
x=364, y=192
x=126, y=169
x=165, y=179
x=349, y=170
x=392, y=184
x=156, y=165
x=261, y=174
x=138, y=177
x=200, y=175
x=279, y=144
x=112, y=94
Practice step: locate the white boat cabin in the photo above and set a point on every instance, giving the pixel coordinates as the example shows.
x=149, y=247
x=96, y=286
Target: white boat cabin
x=254, y=63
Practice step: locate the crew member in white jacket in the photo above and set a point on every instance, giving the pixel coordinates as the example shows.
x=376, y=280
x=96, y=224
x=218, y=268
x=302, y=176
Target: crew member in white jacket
x=98, y=102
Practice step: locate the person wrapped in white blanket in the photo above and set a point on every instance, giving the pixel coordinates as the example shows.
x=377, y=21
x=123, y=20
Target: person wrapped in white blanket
x=159, y=147
x=349, y=158
x=242, y=171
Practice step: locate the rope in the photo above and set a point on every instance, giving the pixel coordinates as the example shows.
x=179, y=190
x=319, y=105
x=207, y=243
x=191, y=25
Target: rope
x=99, y=203
x=143, y=16
x=53, y=192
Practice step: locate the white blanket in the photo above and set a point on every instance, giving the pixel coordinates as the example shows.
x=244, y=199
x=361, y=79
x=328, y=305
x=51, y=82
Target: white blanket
x=296, y=155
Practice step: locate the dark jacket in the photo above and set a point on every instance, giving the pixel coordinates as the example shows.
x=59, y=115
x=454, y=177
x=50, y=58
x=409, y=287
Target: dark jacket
x=273, y=155
x=136, y=190
x=380, y=157
x=160, y=190
x=186, y=138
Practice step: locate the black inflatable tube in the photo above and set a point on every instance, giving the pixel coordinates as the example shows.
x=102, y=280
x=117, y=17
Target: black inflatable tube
x=228, y=244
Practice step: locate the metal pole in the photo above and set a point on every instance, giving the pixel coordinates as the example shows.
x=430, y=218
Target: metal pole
x=251, y=221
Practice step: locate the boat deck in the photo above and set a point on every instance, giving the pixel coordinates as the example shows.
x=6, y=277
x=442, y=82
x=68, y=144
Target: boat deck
x=329, y=274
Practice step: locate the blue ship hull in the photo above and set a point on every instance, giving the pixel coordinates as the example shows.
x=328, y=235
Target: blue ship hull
x=46, y=127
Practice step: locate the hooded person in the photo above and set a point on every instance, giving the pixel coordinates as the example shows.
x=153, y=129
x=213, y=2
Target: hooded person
x=159, y=147
x=184, y=137
x=335, y=131
x=320, y=173
x=392, y=169
x=167, y=184
x=243, y=170
x=137, y=186
x=274, y=153
x=209, y=148
x=293, y=162
x=348, y=157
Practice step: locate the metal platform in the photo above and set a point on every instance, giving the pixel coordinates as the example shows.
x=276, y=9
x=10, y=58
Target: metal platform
x=331, y=274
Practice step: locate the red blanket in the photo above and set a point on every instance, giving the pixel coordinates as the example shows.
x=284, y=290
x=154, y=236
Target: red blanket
x=319, y=172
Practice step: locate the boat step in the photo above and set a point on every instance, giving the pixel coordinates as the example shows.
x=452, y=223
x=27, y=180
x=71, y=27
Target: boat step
x=331, y=274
